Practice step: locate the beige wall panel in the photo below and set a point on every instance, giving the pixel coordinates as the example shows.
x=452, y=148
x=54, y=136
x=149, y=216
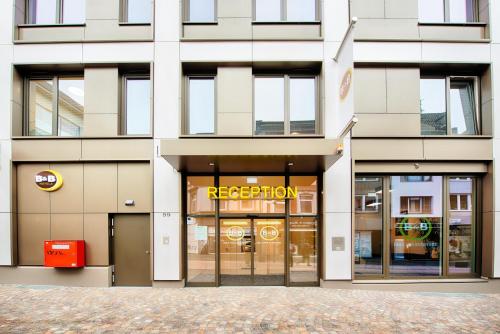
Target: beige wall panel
x=101, y=90
x=370, y=94
x=234, y=124
x=102, y=10
x=68, y=199
x=52, y=34
x=286, y=32
x=100, y=188
x=423, y=167
x=234, y=90
x=486, y=89
x=31, y=199
x=100, y=30
x=451, y=33
x=227, y=28
x=17, y=119
x=367, y=8
x=487, y=244
x=458, y=149
x=100, y=125
x=46, y=150
x=488, y=187
x=234, y=8
x=387, y=149
x=33, y=230
x=487, y=118
x=17, y=87
x=96, y=235
x=135, y=182
x=386, y=29
x=387, y=125
x=66, y=226
x=401, y=9
x=117, y=149
x=403, y=90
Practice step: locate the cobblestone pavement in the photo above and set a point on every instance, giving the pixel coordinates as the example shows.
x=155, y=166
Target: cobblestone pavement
x=30, y=309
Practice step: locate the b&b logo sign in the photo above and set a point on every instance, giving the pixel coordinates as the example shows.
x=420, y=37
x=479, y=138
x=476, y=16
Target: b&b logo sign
x=48, y=180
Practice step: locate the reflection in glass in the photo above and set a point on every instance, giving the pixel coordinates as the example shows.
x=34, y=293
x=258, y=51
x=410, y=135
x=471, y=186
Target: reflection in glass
x=462, y=107
x=368, y=237
x=268, y=10
x=201, y=249
x=43, y=11
x=460, y=226
x=431, y=11
x=462, y=11
x=416, y=233
x=301, y=10
x=303, y=251
x=198, y=202
x=41, y=95
x=70, y=106
x=269, y=257
x=433, y=106
x=138, y=107
x=269, y=106
x=73, y=11
x=254, y=206
x=201, y=106
x=236, y=251
x=302, y=106
x=307, y=197
x=202, y=10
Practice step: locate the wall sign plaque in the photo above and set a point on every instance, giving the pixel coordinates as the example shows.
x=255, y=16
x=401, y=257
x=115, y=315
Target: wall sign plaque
x=48, y=180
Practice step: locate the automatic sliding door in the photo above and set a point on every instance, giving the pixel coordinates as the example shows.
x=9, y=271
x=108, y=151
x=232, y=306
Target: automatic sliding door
x=269, y=258
x=236, y=238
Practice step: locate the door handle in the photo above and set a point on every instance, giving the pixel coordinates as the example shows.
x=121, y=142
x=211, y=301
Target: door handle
x=148, y=252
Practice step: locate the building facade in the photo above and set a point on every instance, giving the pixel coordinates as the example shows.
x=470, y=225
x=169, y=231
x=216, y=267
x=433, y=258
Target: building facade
x=251, y=142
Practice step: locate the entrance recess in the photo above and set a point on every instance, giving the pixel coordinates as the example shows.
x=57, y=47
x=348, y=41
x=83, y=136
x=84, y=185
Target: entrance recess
x=252, y=251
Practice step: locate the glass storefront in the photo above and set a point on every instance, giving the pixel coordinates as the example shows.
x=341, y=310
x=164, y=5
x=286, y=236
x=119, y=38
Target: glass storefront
x=252, y=230
x=414, y=226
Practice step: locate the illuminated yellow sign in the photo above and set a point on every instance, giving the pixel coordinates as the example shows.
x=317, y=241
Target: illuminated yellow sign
x=254, y=192
x=235, y=233
x=48, y=180
x=269, y=233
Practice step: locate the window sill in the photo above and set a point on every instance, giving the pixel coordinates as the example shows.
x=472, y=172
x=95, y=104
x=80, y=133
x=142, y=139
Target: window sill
x=78, y=138
x=193, y=23
x=145, y=24
x=250, y=137
x=419, y=281
x=444, y=137
x=454, y=24
x=55, y=25
x=286, y=22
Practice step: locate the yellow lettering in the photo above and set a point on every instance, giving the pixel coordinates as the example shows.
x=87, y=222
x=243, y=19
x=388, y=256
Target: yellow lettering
x=245, y=192
x=233, y=193
x=255, y=191
x=283, y=192
x=223, y=192
x=292, y=192
x=265, y=190
x=212, y=193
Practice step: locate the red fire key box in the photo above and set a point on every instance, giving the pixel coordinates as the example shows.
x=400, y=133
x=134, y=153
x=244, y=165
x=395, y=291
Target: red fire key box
x=64, y=253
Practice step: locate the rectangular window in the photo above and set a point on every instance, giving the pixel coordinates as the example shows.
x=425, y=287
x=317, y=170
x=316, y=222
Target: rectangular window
x=286, y=10
x=56, y=11
x=449, y=106
x=137, y=11
x=201, y=106
x=416, y=178
x=137, y=106
x=451, y=11
x=285, y=105
x=201, y=11
x=55, y=106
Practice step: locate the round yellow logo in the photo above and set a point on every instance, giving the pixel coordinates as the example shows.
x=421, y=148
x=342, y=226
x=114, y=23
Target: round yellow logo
x=48, y=180
x=269, y=233
x=345, y=85
x=235, y=233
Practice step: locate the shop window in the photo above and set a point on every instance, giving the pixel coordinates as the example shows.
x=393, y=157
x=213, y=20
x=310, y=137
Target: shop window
x=287, y=10
x=137, y=11
x=450, y=11
x=303, y=250
x=449, y=106
x=137, y=106
x=201, y=106
x=306, y=202
x=46, y=12
x=55, y=106
x=285, y=105
x=199, y=11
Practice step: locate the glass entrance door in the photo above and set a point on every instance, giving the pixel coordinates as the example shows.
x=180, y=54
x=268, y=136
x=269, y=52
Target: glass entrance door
x=252, y=252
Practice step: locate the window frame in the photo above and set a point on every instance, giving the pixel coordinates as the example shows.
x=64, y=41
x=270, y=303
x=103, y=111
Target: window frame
x=286, y=120
x=124, y=14
x=477, y=106
x=187, y=114
x=59, y=15
x=283, y=13
x=187, y=12
x=123, y=109
x=55, y=102
x=447, y=14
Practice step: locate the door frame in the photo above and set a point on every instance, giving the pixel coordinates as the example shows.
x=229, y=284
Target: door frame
x=286, y=216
